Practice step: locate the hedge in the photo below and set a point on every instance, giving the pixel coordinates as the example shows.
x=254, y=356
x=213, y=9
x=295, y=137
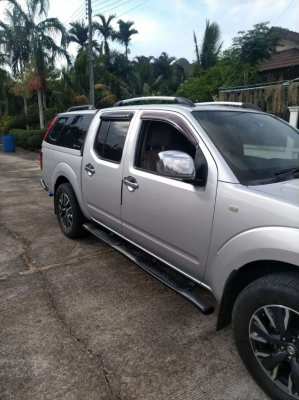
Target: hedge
x=28, y=139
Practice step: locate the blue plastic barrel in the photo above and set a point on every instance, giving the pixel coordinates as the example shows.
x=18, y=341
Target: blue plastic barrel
x=9, y=143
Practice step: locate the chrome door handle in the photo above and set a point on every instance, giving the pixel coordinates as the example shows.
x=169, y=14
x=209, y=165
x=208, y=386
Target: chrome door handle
x=89, y=168
x=131, y=183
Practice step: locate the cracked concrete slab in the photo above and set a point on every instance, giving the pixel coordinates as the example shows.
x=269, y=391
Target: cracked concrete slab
x=154, y=344
x=79, y=321
x=39, y=358
x=10, y=254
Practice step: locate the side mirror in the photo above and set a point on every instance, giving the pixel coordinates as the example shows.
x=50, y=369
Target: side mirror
x=176, y=164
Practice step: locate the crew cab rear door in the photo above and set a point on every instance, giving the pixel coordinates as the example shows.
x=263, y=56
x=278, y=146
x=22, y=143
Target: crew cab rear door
x=170, y=218
x=102, y=167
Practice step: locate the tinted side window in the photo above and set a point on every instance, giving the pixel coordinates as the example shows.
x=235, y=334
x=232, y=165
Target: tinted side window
x=110, y=140
x=115, y=140
x=101, y=138
x=55, y=133
x=82, y=126
x=155, y=137
x=75, y=131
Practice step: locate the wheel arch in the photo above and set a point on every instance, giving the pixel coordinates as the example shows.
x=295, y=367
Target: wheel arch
x=241, y=278
x=63, y=178
x=59, y=181
x=65, y=173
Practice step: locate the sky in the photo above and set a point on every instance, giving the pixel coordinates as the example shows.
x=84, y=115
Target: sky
x=168, y=25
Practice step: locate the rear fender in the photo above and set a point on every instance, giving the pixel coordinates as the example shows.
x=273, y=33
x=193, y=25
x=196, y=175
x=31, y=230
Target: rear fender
x=64, y=170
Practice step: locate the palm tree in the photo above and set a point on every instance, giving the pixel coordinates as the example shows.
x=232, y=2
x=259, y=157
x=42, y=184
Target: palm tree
x=211, y=45
x=5, y=82
x=16, y=47
x=196, y=48
x=14, y=40
x=162, y=65
x=125, y=34
x=105, y=28
x=79, y=34
x=143, y=74
x=38, y=36
x=163, y=72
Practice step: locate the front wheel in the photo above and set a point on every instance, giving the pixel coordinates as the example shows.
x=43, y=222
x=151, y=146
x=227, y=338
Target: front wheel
x=68, y=212
x=266, y=329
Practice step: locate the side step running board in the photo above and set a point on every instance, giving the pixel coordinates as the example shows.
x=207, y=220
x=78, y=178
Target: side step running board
x=192, y=291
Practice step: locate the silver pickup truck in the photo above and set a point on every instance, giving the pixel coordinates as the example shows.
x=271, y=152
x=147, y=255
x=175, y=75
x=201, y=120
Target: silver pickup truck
x=203, y=197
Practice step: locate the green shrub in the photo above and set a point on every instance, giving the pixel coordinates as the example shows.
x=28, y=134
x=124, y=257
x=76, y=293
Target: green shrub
x=30, y=140
x=5, y=124
x=50, y=113
x=34, y=142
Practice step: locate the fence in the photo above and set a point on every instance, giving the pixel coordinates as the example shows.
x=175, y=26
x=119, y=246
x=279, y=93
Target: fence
x=274, y=97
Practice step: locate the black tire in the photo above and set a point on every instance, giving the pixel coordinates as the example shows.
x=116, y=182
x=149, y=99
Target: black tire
x=68, y=212
x=273, y=297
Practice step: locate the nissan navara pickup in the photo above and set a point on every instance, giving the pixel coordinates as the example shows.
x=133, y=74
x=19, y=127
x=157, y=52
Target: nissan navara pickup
x=205, y=198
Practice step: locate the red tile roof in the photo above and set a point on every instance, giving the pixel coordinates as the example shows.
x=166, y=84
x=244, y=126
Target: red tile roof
x=282, y=59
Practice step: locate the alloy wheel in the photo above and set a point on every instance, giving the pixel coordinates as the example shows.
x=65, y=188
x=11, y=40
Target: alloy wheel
x=65, y=211
x=274, y=338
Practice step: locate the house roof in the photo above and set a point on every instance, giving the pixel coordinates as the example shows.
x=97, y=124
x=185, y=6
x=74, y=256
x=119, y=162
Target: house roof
x=282, y=59
x=286, y=34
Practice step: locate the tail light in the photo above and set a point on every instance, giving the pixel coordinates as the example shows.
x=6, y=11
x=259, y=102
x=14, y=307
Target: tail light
x=50, y=127
x=41, y=159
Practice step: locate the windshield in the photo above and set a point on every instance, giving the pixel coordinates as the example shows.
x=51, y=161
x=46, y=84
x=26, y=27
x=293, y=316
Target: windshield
x=258, y=147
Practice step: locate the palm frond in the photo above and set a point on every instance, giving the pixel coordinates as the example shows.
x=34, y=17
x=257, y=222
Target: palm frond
x=105, y=28
x=38, y=7
x=19, y=9
x=78, y=33
x=211, y=45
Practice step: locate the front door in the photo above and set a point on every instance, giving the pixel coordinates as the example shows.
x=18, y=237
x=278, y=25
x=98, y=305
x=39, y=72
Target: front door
x=170, y=218
x=102, y=169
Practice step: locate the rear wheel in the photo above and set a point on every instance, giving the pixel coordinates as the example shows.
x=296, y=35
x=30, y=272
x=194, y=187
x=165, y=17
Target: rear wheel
x=68, y=212
x=266, y=329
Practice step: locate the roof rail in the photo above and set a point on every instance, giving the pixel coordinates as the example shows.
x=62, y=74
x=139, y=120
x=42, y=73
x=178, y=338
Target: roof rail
x=81, y=108
x=230, y=104
x=155, y=100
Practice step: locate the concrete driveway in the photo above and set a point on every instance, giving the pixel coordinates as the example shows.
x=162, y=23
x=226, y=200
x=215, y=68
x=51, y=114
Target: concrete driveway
x=79, y=321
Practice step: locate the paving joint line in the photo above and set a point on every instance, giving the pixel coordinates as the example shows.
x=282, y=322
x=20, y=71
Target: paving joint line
x=81, y=343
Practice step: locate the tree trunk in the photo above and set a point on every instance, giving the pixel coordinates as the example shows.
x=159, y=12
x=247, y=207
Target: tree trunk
x=41, y=109
x=127, y=51
x=6, y=107
x=5, y=101
x=26, y=111
x=44, y=100
x=196, y=48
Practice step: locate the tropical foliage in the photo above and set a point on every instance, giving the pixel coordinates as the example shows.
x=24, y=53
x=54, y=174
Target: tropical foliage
x=234, y=66
x=211, y=46
x=256, y=44
x=44, y=66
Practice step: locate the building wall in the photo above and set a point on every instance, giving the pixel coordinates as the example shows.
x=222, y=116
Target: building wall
x=282, y=74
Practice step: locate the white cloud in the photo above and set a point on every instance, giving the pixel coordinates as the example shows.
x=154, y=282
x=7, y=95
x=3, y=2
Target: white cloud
x=214, y=5
x=148, y=29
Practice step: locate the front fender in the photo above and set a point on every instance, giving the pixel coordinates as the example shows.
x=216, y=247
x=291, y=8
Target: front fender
x=275, y=243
